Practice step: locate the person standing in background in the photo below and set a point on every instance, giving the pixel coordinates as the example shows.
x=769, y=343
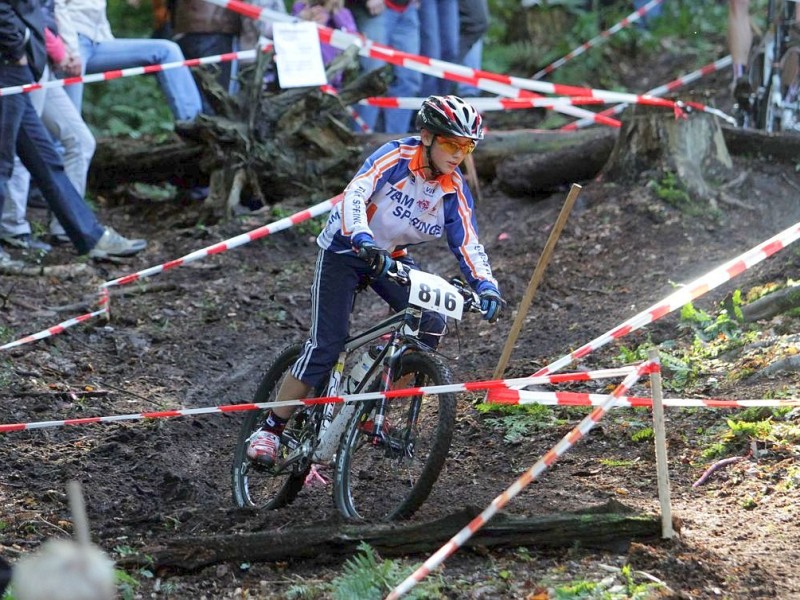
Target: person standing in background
x=22, y=61
x=204, y=29
x=439, y=35
x=85, y=29
x=370, y=20
x=328, y=13
x=403, y=30
x=473, y=21
x=65, y=125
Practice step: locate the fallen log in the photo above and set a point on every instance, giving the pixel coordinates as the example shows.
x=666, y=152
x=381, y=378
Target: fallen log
x=772, y=304
x=596, y=528
x=524, y=161
x=780, y=146
x=521, y=175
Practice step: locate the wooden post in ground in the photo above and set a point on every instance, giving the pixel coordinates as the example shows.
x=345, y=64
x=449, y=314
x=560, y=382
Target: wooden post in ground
x=662, y=468
x=536, y=279
x=472, y=179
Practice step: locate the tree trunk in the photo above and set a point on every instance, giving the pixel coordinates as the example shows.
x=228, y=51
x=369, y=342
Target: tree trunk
x=653, y=140
x=605, y=528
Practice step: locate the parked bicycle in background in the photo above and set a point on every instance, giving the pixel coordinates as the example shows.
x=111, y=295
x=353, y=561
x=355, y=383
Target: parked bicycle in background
x=770, y=101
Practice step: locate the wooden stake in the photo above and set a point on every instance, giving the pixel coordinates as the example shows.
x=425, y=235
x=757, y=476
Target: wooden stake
x=662, y=468
x=536, y=279
x=80, y=522
x=472, y=179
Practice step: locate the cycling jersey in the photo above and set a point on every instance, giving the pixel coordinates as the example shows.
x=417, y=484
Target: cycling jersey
x=390, y=199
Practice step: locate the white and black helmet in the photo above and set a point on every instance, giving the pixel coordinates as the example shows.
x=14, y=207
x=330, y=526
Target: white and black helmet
x=451, y=116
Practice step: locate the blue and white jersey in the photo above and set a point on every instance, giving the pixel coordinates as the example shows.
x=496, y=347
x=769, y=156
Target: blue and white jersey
x=390, y=199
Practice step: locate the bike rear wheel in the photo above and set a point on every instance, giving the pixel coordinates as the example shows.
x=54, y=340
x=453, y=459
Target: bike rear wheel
x=389, y=476
x=258, y=486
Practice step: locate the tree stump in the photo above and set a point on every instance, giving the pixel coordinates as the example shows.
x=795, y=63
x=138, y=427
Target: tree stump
x=654, y=141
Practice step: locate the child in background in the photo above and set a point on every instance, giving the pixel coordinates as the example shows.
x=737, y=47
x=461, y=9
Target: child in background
x=330, y=13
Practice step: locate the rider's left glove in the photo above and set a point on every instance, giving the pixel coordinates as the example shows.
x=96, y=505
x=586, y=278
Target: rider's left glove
x=378, y=259
x=491, y=304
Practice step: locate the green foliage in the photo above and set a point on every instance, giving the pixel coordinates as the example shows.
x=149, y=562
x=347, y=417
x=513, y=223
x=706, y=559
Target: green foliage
x=367, y=576
x=671, y=190
x=753, y=425
x=126, y=584
x=616, y=463
x=708, y=328
x=523, y=40
x=621, y=587
x=643, y=435
x=518, y=421
x=132, y=107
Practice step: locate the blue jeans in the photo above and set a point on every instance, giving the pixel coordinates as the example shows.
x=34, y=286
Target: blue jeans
x=178, y=85
x=23, y=131
x=373, y=28
x=653, y=14
x=439, y=39
x=404, y=35
x=473, y=60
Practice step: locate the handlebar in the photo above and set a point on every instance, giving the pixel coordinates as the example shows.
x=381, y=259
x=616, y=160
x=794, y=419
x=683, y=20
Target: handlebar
x=399, y=274
x=472, y=302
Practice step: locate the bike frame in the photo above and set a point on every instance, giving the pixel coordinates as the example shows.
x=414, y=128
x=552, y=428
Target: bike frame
x=772, y=109
x=402, y=328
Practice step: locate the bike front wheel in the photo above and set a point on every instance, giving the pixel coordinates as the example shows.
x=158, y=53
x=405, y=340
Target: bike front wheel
x=387, y=474
x=270, y=487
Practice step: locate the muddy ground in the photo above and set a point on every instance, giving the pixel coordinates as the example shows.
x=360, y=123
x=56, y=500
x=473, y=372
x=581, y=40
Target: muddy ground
x=202, y=335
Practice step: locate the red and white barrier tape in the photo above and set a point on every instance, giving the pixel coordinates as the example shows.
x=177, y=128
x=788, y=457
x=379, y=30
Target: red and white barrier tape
x=433, y=389
x=671, y=86
x=522, y=397
x=486, y=104
x=131, y=72
x=569, y=440
x=598, y=39
x=104, y=300
x=689, y=292
x=497, y=84
x=55, y=329
x=234, y=242
x=503, y=85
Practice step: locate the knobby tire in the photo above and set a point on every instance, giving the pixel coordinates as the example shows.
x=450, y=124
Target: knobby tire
x=256, y=486
x=389, y=479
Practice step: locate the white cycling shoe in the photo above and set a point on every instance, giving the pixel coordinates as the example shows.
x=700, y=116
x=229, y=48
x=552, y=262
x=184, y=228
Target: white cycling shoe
x=263, y=448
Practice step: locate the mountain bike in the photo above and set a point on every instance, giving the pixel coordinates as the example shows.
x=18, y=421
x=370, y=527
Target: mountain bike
x=387, y=452
x=773, y=104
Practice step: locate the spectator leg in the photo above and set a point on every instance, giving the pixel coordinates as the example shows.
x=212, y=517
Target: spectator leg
x=403, y=30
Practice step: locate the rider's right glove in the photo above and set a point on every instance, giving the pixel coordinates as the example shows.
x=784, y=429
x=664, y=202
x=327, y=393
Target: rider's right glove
x=377, y=258
x=491, y=304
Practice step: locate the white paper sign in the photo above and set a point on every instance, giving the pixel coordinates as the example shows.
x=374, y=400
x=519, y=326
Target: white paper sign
x=298, y=55
x=434, y=293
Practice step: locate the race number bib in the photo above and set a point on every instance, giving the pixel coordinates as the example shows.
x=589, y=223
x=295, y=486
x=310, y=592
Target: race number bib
x=434, y=293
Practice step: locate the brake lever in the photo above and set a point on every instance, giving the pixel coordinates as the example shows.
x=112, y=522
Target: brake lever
x=399, y=274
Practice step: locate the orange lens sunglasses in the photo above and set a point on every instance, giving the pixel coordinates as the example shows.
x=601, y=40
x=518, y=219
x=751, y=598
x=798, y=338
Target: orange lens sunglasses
x=452, y=146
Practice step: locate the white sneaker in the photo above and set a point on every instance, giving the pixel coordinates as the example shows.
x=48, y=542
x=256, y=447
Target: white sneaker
x=263, y=448
x=9, y=264
x=113, y=244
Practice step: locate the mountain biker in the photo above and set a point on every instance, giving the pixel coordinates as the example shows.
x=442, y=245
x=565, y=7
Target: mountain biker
x=408, y=192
